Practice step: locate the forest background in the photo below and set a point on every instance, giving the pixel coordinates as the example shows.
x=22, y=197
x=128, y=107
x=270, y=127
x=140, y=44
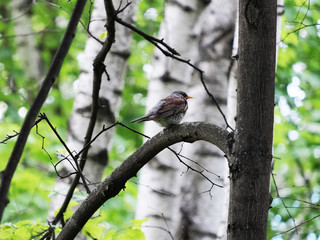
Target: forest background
x=297, y=112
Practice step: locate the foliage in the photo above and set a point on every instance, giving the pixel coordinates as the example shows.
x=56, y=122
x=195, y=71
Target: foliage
x=33, y=182
x=131, y=232
x=23, y=230
x=296, y=135
x=296, y=139
x=148, y=20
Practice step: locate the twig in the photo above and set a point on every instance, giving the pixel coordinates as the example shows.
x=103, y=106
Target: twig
x=155, y=41
x=61, y=160
x=8, y=137
x=171, y=52
x=199, y=165
x=42, y=145
x=31, y=33
x=49, y=80
x=197, y=171
x=283, y=203
x=313, y=205
x=295, y=227
x=90, y=14
x=104, y=129
x=162, y=192
x=84, y=27
x=132, y=130
x=98, y=70
x=178, y=155
x=26, y=11
x=301, y=23
x=167, y=229
x=75, y=158
x=115, y=182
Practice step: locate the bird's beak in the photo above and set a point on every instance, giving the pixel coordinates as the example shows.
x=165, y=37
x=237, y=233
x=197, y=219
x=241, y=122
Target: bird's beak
x=189, y=97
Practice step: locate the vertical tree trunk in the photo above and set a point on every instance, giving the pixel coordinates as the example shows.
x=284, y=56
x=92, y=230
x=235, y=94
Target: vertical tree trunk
x=204, y=214
x=27, y=51
x=250, y=162
x=160, y=201
x=203, y=34
x=110, y=98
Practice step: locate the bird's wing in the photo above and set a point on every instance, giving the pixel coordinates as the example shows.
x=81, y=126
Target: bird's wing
x=168, y=108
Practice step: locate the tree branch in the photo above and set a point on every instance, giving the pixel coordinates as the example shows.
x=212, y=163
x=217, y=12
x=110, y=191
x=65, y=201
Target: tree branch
x=115, y=182
x=98, y=70
x=171, y=52
x=52, y=74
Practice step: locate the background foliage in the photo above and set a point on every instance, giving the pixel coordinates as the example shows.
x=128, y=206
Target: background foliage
x=297, y=128
x=297, y=114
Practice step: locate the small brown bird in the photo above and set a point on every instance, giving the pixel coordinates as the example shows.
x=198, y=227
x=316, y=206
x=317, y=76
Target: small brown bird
x=168, y=111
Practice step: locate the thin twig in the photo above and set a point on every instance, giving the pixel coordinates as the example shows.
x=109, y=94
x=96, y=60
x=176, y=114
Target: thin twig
x=283, y=203
x=83, y=25
x=75, y=158
x=195, y=170
x=26, y=11
x=42, y=145
x=178, y=155
x=171, y=52
x=8, y=137
x=167, y=229
x=30, y=34
x=295, y=227
x=28, y=123
x=98, y=70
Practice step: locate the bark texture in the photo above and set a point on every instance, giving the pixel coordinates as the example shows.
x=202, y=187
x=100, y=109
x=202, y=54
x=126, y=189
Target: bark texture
x=28, y=53
x=204, y=214
x=201, y=31
x=109, y=100
x=252, y=150
x=33, y=112
x=115, y=182
x=160, y=195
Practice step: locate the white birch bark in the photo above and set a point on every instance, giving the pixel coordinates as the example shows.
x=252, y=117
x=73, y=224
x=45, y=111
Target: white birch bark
x=29, y=54
x=232, y=87
x=110, y=99
x=203, y=32
x=160, y=187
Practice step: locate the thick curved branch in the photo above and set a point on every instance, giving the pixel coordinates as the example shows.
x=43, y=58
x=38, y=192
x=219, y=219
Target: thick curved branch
x=115, y=182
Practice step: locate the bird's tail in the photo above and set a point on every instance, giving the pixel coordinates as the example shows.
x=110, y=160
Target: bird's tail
x=140, y=119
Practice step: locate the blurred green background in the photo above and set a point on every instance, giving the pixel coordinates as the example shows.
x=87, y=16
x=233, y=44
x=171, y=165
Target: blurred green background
x=297, y=117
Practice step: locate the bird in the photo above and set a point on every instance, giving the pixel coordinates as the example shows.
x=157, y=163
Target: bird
x=168, y=111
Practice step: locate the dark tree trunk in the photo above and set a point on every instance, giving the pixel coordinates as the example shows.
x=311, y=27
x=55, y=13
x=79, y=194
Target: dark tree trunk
x=251, y=156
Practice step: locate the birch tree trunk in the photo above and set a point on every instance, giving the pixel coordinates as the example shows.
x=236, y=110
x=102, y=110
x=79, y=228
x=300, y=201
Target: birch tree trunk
x=110, y=99
x=27, y=50
x=203, y=33
x=205, y=213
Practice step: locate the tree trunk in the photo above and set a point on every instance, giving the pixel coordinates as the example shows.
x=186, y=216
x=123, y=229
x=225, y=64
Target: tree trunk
x=115, y=182
x=160, y=200
x=250, y=161
x=7, y=174
x=204, y=35
x=110, y=99
x=204, y=214
x=28, y=53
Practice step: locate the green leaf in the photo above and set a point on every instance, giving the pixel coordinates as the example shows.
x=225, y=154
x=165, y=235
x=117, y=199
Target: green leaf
x=138, y=222
x=109, y=235
x=131, y=234
x=103, y=35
